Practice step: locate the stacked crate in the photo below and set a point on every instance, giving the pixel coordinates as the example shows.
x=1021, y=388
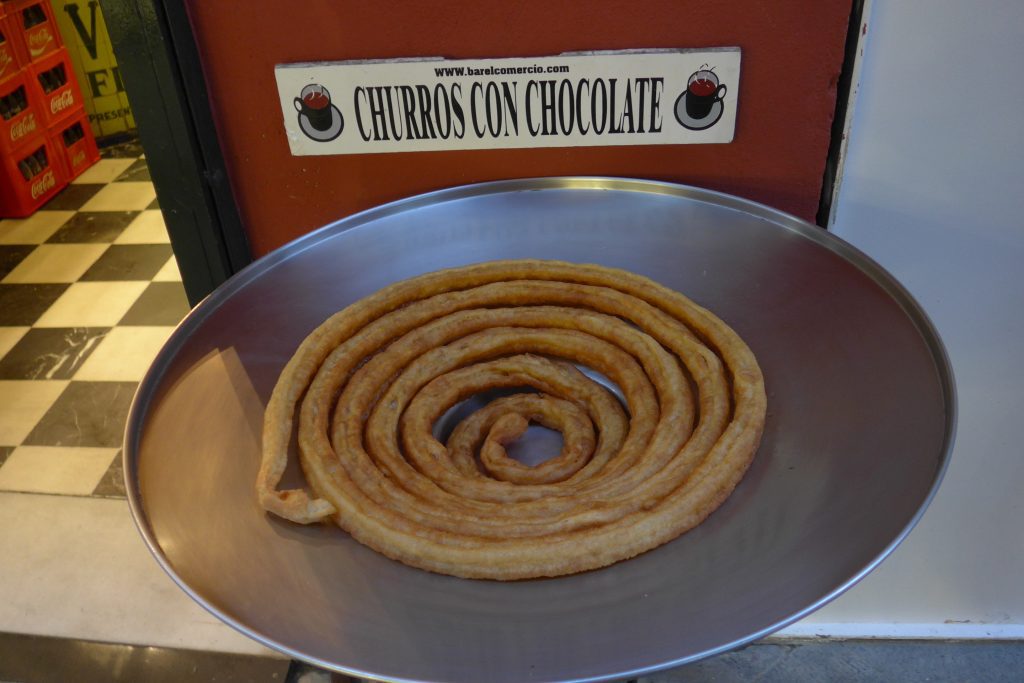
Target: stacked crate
x=45, y=138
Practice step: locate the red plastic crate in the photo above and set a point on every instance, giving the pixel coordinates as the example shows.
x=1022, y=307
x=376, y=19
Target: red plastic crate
x=62, y=101
x=10, y=56
x=37, y=39
x=20, y=195
x=16, y=94
x=76, y=145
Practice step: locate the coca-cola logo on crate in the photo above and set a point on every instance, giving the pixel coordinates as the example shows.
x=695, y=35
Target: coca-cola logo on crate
x=23, y=128
x=44, y=183
x=65, y=100
x=5, y=60
x=38, y=40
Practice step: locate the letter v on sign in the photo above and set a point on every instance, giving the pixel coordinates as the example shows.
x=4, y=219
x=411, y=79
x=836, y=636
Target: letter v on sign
x=88, y=37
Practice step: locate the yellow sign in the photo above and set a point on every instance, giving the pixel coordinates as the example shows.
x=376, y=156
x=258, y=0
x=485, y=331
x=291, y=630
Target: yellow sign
x=85, y=35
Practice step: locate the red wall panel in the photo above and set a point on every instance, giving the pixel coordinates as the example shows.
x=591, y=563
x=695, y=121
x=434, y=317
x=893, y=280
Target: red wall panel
x=792, y=56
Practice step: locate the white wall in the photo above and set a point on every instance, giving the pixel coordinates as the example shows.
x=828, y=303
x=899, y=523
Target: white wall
x=934, y=191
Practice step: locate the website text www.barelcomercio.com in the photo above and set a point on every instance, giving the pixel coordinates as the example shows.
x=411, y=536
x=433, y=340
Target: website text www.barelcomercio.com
x=456, y=71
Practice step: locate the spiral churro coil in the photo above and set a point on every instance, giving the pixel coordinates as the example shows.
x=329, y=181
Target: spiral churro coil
x=368, y=385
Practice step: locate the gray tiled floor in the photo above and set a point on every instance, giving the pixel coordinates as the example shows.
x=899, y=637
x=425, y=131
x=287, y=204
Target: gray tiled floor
x=838, y=661
x=35, y=659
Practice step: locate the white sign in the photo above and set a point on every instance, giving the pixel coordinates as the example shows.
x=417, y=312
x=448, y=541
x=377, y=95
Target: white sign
x=659, y=97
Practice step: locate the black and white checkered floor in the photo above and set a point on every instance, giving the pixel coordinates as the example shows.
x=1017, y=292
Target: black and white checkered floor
x=89, y=291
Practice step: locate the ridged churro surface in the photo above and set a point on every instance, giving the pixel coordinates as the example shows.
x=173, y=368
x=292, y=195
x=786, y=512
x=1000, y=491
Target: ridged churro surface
x=368, y=385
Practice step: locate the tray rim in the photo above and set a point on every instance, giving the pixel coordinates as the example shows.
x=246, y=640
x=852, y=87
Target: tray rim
x=821, y=236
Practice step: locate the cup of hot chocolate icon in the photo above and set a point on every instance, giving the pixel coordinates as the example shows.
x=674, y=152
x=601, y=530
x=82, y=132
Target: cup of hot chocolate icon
x=314, y=102
x=703, y=91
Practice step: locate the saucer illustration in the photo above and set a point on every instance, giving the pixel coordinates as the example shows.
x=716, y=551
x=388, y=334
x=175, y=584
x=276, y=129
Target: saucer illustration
x=337, y=124
x=687, y=121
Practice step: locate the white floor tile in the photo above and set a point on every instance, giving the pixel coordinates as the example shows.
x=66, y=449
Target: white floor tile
x=22, y=404
x=92, y=304
x=147, y=228
x=35, y=229
x=55, y=263
x=52, y=469
x=168, y=272
x=9, y=336
x=104, y=171
x=76, y=568
x=130, y=196
x=124, y=355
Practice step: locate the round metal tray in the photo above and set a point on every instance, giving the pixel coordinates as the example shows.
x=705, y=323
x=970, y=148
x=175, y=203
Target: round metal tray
x=860, y=425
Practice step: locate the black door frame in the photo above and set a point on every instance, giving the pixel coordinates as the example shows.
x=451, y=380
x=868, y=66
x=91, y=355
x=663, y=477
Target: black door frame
x=160, y=64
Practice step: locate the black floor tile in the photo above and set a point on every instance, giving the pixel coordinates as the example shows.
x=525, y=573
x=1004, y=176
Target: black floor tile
x=155, y=204
x=129, y=262
x=161, y=303
x=4, y=452
x=124, y=150
x=139, y=171
x=42, y=659
x=93, y=227
x=72, y=197
x=112, y=483
x=50, y=353
x=11, y=255
x=85, y=414
x=23, y=304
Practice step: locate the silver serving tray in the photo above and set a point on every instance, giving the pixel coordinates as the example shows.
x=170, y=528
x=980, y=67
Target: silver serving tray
x=861, y=415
